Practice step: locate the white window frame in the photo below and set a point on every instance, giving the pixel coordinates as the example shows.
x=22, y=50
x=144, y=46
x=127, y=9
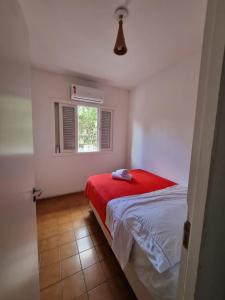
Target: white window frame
x=64, y=152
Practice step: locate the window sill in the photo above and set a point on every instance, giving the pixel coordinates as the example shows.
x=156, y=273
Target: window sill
x=82, y=153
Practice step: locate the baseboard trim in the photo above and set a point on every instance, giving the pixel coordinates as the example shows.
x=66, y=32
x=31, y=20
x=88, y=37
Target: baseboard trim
x=60, y=196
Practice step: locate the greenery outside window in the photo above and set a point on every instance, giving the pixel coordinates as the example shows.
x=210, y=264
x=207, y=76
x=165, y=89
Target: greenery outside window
x=88, y=129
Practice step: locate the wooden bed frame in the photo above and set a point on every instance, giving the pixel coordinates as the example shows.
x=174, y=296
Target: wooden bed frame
x=139, y=289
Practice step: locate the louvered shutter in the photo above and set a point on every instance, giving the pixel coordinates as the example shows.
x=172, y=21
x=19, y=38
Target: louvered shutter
x=57, y=128
x=68, y=124
x=106, y=130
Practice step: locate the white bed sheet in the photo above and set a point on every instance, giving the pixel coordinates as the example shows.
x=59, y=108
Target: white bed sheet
x=154, y=220
x=161, y=286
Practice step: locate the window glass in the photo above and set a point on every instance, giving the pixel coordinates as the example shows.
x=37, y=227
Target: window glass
x=87, y=128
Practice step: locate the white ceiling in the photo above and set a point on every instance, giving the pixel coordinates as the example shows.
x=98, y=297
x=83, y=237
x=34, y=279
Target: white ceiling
x=78, y=36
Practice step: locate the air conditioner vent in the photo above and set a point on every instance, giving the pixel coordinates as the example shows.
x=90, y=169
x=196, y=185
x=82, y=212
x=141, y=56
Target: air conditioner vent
x=86, y=94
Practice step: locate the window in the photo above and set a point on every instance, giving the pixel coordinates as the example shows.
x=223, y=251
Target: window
x=87, y=129
x=82, y=128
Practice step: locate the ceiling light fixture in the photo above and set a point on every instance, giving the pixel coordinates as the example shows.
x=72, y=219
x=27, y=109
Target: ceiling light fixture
x=120, y=47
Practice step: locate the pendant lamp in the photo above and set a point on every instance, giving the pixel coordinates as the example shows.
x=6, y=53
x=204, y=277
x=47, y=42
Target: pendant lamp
x=120, y=46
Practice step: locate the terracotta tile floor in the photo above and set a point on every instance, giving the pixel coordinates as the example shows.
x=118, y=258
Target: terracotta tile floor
x=75, y=260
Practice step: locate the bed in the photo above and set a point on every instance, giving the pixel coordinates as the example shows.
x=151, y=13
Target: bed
x=107, y=195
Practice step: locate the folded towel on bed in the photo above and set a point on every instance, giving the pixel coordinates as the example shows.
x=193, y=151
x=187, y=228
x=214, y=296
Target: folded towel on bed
x=126, y=177
x=122, y=172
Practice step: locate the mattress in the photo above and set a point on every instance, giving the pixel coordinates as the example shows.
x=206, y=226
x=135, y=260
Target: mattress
x=100, y=189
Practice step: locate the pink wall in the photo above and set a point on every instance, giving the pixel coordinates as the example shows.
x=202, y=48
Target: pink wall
x=67, y=174
x=162, y=112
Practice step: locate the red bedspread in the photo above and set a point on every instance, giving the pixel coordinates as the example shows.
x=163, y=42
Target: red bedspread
x=100, y=189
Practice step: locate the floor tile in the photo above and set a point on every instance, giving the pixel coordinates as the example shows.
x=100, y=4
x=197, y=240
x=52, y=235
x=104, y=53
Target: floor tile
x=63, y=223
x=46, y=222
x=61, y=202
x=78, y=223
x=70, y=266
x=94, y=228
x=90, y=218
x=62, y=213
x=120, y=289
x=68, y=250
x=103, y=251
x=65, y=219
x=81, y=232
x=49, y=275
x=102, y=292
x=76, y=215
x=110, y=268
x=47, y=232
x=65, y=227
x=48, y=243
x=98, y=238
x=49, y=257
x=86, y=213
x=75, y=204
x=73, y=286
x=54, y=292
x=66, y=237
x=94, y=276
x=88, y=258
x=82, y=297
x=85, y=207
x=84, y=244
x=75, y=209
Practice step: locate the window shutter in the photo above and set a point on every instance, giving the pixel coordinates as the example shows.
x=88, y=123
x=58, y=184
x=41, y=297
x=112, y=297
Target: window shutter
x=68, y=128
x=57, y=128
x=106, y=129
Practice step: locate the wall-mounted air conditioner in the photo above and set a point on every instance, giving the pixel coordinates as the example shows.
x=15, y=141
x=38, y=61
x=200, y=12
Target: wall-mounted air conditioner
x=87, y=94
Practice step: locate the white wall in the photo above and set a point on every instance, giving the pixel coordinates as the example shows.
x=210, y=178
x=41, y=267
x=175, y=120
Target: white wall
x=162, y=112
x=67, y=174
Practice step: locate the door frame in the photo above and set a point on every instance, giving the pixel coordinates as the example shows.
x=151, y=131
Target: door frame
x=207, y=102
